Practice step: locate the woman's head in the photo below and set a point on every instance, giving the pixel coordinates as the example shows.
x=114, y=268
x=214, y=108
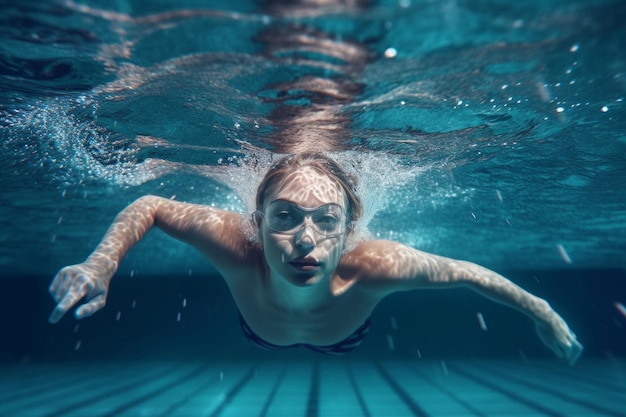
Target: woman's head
x=285, y=168
x=308, y=203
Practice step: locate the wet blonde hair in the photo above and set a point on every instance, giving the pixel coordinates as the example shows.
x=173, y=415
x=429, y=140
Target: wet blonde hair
x=322, y=164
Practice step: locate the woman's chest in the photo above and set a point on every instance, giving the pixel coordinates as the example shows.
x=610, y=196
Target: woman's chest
x=328, y=323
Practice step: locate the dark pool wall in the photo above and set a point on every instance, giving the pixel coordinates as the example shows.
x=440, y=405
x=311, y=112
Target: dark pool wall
x=177, y=318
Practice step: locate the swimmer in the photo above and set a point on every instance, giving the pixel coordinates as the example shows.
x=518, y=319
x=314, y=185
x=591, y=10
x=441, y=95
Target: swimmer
x=294, y=279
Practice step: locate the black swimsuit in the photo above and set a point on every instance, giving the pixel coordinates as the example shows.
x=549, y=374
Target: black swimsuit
x=346, y=345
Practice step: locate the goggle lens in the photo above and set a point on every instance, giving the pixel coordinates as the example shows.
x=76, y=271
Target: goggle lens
x=285, y=217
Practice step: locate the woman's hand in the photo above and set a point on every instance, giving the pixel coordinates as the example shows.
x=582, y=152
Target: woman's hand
x=74, y=283
x=555, y=334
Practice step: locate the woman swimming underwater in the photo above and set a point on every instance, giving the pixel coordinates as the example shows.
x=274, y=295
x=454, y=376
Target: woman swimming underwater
x=296, y=282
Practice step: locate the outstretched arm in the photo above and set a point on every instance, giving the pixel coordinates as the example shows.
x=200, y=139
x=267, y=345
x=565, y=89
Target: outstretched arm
x=216, y=233
x=387, y=267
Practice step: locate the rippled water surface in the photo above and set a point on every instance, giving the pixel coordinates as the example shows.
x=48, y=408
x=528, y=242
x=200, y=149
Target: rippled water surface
x=485, y=130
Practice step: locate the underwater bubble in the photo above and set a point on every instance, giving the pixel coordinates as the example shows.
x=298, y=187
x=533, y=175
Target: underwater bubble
x=620, y=307
x=65, y=140
x=390, y=342
x=481, y=321
x=564, y=254
x=391, y=53
x=394, y=323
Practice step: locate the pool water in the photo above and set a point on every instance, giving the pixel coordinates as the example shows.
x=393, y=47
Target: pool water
x=481, y=130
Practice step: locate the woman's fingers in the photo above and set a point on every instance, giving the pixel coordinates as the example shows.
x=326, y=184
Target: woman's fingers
x=569, y=349
x=68, y=291
x=561, y=340
x=91, y=307
x=576, y=349
x=59, y=286
x=65, y=304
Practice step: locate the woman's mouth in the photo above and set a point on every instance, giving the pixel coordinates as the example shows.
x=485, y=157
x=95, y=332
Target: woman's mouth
x=305, y=264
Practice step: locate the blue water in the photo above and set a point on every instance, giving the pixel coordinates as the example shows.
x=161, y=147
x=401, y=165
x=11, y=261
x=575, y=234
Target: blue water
x=485, y=130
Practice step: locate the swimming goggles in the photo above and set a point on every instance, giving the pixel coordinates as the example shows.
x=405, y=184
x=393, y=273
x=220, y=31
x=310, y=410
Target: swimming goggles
x=284, y=217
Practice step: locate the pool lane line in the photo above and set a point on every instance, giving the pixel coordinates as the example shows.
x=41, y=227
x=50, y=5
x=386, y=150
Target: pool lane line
x=358, y=393
x=270, y=398
x=313, y=403
x=404, y=396
x=555, y=393
x=509, y=393
x=450, y=393
x=228, y=397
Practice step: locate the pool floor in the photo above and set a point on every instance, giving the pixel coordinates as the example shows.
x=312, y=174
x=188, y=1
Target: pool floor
x=322, y=388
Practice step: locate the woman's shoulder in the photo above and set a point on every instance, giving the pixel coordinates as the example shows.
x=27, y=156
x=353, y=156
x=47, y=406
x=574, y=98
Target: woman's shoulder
x=372, y=248
x=383, y=263
x=367, y=258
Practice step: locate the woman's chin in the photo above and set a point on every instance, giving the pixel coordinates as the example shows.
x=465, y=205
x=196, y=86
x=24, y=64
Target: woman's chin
x=306, y=279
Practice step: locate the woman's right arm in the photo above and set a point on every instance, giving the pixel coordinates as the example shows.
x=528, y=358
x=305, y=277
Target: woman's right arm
x=386, y=267
x=218, y=234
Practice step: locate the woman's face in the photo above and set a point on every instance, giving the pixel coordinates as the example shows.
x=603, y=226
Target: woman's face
x=302, y=240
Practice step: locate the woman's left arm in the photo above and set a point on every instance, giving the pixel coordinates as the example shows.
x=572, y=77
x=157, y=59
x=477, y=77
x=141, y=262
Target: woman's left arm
x=387, y=267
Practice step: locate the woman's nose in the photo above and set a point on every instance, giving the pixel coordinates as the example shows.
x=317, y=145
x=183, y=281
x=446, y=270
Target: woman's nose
x=305, y=238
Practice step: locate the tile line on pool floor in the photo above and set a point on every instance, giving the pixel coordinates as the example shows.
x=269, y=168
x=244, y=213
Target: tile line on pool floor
x=67, y=387
x=509, y=393
x=543, y=387
x=121, y=389
x=272, y=394
x=171, y=409
x=358, y=392
x=313, y=406
x=232, y=392
x=448, y=392
x=155, y=392
x=410, y=402
x=595, y=377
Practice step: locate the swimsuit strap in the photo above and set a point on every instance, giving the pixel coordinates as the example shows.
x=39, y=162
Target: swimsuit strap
x=346, y=345
x=256, y=340
x=339, y=348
